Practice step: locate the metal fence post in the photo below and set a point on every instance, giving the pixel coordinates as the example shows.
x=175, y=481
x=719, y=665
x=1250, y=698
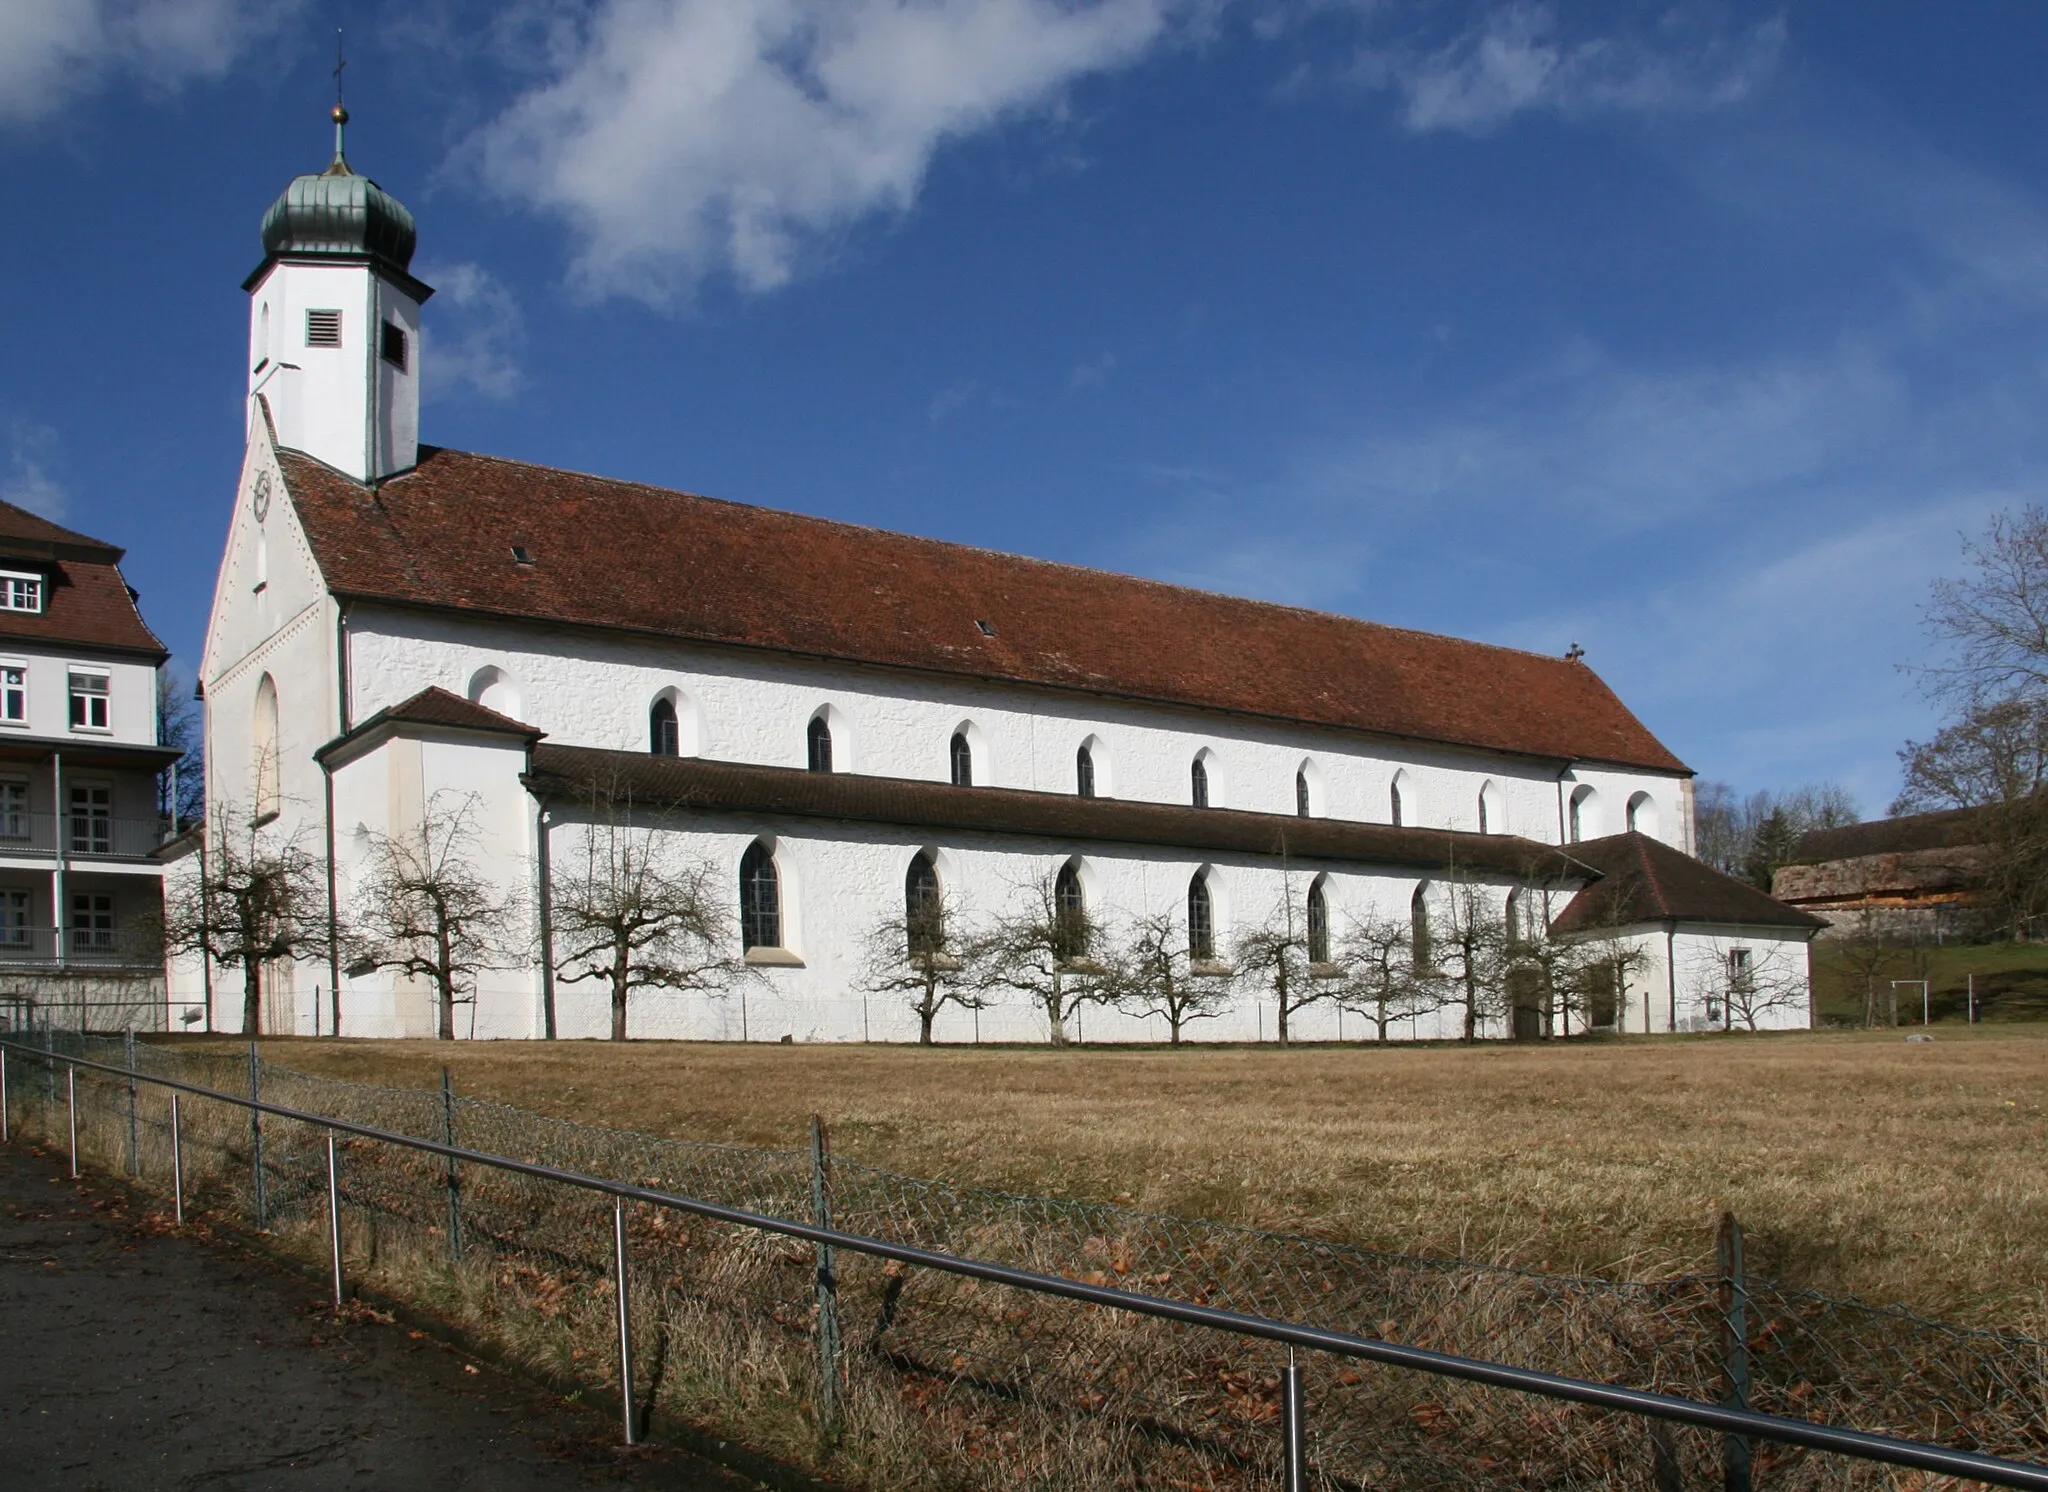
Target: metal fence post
x=625, y=1322
x=334, y=1217
x=828, y=1287
x=256, y=1137
x=134, y=1135
x=71, y=1103
x=6, y=1134
x=454, y=1175
x=1734, y=1292
x=1294, y=1426
x=177, y=1165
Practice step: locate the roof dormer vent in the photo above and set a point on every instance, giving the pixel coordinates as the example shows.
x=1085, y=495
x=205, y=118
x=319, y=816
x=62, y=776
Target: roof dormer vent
x=521, y=555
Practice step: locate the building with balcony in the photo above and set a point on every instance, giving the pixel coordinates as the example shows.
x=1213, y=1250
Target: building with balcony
x=80, y=770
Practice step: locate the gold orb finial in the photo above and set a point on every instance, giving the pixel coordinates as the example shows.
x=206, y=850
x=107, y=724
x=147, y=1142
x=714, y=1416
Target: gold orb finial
x=339, y=114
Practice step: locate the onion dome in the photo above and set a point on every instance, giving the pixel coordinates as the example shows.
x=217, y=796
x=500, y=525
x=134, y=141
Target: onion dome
x=338, y=214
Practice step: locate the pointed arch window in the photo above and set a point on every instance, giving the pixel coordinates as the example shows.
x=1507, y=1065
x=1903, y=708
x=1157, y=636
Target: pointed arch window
x=924, y=907
x=664, y=732
x=1580, y=817
x=760, y=899
x=1069, y=914
x=818, y=741
x=1422, y=940
x=1301, y=793
x=1318, y=923
x=1198, y=775
x=1084, y=772
x=961, y=754
x=1201, y=921
x=263, y=739
x=1394, y=803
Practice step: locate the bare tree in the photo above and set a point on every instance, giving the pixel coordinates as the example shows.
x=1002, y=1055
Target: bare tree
x=1993, y=622
x=1152, y=973
x=1043, y=947
x=1868, y=951
x=180, y=792
x=1381, y=980
x=1468, y=943
x=914, y=956
x=627, y=909
x=1742, y=983
x=1272, y=958
x=1994, y=752
x=427, y=909
x=1751, y=837
x=259, y=897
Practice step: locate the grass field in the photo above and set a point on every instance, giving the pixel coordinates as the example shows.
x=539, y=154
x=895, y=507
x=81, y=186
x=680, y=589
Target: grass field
x=1910, y=1173
x=2011, y=983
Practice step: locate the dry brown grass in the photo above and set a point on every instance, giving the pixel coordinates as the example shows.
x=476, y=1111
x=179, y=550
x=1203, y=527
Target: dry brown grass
x=1860, y=1163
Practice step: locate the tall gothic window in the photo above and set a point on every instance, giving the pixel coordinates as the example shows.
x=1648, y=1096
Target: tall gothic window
x=1069, y=914
x=264, y=741
x=962, y=755
x=1201, y=921
x=1301, y=792
x=1394, y=803
x=1318, y=923
x=1199, y=775
x=818, y=737
x=1422, y=940
x=1084, y=772
x=664, y=735
x=760, y=899
x=924, y=910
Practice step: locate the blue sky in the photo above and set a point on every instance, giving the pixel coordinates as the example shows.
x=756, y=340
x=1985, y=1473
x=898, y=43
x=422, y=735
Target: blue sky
x=1695, y=333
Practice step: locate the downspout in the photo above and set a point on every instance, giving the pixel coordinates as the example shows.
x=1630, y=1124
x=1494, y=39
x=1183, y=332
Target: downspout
x=333, y=910
x=1562, y=773
x=1671, y=970
x=205, y=931
x=546, y=906
x=61, y=820
x=341, y=668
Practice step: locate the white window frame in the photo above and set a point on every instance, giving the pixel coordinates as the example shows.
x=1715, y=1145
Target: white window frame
x=104, y=694
x=13, y=585
x=15, y=824
x=13, y=692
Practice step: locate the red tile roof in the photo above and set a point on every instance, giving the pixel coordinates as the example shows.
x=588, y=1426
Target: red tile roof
x=88, y=604
x=1645, y=880
x=622, y=555
x=437, y=707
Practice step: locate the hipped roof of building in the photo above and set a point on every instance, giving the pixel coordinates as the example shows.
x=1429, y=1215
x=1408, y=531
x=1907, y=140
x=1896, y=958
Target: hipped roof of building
x=600, y=553
x=86, y=603
x=1644, y=880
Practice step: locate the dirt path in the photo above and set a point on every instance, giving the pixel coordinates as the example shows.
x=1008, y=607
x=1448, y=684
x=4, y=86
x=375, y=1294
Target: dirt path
x=133, y=1358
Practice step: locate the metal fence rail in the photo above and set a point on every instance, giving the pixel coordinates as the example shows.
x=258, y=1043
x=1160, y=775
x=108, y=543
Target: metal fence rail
x=1005, y=1351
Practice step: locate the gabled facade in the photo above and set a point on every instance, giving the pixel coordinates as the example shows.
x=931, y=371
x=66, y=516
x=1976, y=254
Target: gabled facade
x=824, y=713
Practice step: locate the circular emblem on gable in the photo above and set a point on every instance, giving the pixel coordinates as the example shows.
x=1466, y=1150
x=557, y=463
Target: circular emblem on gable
x=259, y=498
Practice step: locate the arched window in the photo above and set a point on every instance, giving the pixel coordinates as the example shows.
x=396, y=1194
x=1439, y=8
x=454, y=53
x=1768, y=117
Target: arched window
x=1199, y=776
x=1069, y=914
x=263, y=335
x=263, y=749
x=494, y=689
x=1517, y=918
x=1421, y=939
x=1318, y=923
x=818, y=738
x=1581, y=816
x=962, y=755
x=1492, y=817
x=1201, y=921
x=760, y=899
x=664, y=733
x=924, y=908
x=1301, y=792
x=1084, y=772
x=1642, y=814
x=1394, y=802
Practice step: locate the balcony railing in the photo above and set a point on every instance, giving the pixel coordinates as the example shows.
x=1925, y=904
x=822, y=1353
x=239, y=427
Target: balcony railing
x=93, y=948
x=84, y=834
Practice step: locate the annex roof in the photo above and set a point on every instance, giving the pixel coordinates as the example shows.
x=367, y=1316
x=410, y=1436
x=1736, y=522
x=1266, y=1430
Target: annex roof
x=1645, y=880
x=662, y=783
x=450, y=534
x=433, y=707
x=86, y=602
x=1945, y=829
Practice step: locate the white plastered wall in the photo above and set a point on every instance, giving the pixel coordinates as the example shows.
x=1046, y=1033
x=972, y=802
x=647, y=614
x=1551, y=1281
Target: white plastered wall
x=1680, y=979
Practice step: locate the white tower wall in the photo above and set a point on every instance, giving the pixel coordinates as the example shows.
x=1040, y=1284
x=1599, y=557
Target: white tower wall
x=345, y=404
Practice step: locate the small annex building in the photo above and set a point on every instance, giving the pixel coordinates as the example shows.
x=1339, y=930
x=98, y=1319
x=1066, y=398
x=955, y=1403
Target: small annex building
x=830, y=719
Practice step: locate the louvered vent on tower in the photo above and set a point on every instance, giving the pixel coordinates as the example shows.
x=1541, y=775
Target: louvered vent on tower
x=323, y=328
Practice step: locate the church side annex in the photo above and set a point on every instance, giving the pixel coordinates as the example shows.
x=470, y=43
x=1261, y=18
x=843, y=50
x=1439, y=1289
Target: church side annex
x=835, y=718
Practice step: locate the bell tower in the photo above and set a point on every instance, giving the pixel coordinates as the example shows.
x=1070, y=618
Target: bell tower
x=334, y=321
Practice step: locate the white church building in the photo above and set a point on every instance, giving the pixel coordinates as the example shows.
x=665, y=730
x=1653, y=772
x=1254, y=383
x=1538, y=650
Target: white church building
x=830, y=713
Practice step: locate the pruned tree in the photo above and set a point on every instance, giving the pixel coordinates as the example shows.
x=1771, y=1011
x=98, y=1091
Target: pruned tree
x=1742, y=983
x=921, y=958
x=1272, y=958
x=258, y=897
x=1152, y=973
x=427, y=908
x=1468, y=943
x=1381, y=981
x=628, y=909
x=1044, y=947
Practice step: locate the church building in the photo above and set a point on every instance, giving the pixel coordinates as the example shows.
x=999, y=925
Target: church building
x=832, y=723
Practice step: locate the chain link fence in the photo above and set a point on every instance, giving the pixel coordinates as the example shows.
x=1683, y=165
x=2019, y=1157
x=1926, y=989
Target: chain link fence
x=888, y=1375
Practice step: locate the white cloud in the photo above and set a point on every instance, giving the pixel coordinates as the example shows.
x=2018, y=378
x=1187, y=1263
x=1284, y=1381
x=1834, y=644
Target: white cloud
x=682, y=138
x=476, y=333
x=28, y=483
x=53, y=50
x=1513, y=60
